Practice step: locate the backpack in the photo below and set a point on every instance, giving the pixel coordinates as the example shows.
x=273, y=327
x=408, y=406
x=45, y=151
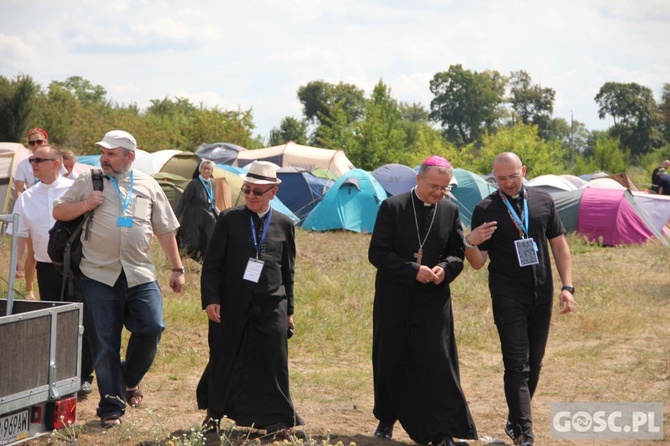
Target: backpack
x=64, y=246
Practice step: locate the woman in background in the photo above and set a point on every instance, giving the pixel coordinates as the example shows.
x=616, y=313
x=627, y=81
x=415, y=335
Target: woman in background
x=197, y=213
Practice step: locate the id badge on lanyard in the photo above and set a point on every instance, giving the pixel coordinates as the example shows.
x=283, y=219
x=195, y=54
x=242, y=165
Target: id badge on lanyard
x=254, y=267
x=526, y=252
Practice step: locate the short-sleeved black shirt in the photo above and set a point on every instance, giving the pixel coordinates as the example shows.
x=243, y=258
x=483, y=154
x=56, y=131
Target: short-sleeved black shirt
x=530, y=284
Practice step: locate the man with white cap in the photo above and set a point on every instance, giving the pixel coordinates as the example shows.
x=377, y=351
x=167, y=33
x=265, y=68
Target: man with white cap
x=247, y=292
x=417, y=248
x=118, y=282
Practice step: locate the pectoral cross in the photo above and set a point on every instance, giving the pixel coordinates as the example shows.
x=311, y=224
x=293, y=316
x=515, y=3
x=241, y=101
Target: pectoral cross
x=418, y=255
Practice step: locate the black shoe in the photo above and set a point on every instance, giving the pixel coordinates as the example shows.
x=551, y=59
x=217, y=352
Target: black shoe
x=509, y=430
x=444, y=441
x=385, y=430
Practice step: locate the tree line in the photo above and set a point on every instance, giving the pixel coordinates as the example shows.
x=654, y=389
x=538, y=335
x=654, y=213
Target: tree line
x=472, y=116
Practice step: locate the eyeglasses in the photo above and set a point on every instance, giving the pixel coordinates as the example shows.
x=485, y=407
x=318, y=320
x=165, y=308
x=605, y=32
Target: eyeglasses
x=514, y=176
x=37, y=142
x=246, y=190
x=436, y=188
x=39, y=160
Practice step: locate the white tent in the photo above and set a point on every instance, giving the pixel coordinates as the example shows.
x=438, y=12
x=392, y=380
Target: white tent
x=551, y=183
x=603, y=183
x=292, y=154
x=11, y=153
x=655, y=207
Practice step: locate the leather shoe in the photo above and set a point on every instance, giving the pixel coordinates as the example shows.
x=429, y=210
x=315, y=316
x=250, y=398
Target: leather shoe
x=444, y=441
x=385, y=430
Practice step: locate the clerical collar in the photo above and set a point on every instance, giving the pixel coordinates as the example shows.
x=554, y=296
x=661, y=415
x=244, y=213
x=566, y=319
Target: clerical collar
x=262, y=214
x=516, y=196
x=416, y=194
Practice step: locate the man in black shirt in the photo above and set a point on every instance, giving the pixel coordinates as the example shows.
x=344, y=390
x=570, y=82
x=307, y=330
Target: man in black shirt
x=656, y=176
x=512, y=227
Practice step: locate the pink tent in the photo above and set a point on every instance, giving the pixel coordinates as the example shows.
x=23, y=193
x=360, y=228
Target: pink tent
x=610, y=214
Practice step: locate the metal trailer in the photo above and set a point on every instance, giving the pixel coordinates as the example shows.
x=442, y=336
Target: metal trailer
x=40, y=361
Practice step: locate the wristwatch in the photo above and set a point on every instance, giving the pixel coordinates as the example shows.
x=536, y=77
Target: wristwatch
x=179, y=270
x=568, y=288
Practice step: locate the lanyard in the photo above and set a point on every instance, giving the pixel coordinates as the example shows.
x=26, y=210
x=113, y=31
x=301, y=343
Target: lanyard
x=124, y=202
x=208, y=188
x=258, y=244
x=520, y=223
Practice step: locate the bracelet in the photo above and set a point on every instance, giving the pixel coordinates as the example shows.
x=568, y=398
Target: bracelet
x=179, y=270
x=87, y=206
x=467, y=243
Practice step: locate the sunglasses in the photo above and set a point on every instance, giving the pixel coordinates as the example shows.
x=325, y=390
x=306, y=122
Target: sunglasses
x=37, y=142
x=39, y=160
x=246, y=190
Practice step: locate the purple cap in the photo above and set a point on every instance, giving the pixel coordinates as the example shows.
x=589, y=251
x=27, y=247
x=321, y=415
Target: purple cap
x=437, y=161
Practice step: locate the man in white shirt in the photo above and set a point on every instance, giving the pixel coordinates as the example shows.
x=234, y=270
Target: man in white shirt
x=35, y=206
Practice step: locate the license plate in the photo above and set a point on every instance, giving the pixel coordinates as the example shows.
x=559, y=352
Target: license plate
x=14, y=426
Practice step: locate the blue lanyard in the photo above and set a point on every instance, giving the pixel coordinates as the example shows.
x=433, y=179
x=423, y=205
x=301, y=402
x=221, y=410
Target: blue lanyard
x=208, y=189
x=258, y=244
x=520, y=223
x=124, y=202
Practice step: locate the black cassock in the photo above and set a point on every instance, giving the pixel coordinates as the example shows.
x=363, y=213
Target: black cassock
x=197, y=216
x=414, y=355
x=247, y=377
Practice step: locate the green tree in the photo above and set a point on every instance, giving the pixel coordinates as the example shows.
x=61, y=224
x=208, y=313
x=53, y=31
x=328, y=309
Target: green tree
x=336, y=131
x=380, y=140
x=532, y=103
x=85, y=92
x=664, y=109
x=540, y=157
x=17, y=102
x=319, y=100
x=635, y=115
x=607, y=156
x=467, y=103
x=290, y=129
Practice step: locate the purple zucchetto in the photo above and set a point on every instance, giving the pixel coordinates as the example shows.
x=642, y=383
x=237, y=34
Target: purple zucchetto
x=437, y=161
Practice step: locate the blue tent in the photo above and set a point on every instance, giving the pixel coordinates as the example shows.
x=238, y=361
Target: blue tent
x=300, y=191
x=351, y=203
x=471, y=189
x=395, y=178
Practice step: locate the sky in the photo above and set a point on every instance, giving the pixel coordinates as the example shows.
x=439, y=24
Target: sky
x=255, y=54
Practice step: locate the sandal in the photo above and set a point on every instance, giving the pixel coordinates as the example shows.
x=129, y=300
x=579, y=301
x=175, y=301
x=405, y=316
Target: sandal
x=110, y=421
x=134, y=396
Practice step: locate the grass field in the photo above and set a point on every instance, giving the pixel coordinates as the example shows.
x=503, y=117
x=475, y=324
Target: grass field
x=614, y=348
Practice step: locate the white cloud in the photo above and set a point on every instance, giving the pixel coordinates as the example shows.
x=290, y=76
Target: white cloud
x=257, y=53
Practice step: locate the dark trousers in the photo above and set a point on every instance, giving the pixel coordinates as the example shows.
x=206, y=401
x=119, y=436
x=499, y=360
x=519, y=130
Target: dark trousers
x=50, y=282
x=523, y=330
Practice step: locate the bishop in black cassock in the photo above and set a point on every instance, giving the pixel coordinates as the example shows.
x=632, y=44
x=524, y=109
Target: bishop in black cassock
x=414, y=355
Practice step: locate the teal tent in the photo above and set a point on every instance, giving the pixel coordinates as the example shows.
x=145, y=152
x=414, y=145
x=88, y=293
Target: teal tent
x=471, y=189
x=351, y=203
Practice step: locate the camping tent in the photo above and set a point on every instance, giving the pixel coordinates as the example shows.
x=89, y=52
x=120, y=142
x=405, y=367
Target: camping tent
x=395, y=178
x=603, y=183
x=655, y=207
x=184, y=164
x=11, y=153
x=292, y=154
x=351, y=203
x=551, y=183
x=219, y=152
x=610, y=215
x=469, y=190
x=300, y=191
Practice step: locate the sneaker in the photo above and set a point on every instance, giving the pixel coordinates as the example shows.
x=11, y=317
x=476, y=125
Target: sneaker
x=85, y=388
x=509, y=430
x=385, y=430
